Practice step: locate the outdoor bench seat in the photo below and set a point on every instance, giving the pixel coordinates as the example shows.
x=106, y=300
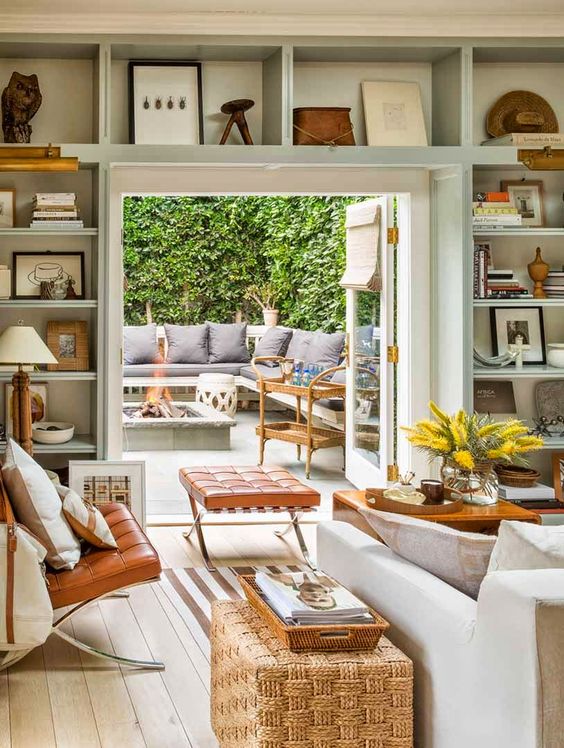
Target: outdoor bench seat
x=181, y=370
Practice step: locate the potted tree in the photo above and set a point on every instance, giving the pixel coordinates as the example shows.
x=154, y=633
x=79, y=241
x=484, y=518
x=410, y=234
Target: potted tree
x=265, y=296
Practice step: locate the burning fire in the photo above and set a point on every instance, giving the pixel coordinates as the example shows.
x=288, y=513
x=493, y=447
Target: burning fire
x=158, y=402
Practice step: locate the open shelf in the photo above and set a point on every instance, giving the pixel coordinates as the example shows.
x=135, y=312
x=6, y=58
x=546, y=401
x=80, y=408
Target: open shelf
x=29, y=232
x=527, y=372
x=522, y=233
x=54, y=376
x=80, y=444
x=48, y=304
x=519, y=302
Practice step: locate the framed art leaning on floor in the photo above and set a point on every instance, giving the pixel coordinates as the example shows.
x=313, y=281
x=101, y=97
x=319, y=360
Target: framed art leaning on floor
x=102, y=481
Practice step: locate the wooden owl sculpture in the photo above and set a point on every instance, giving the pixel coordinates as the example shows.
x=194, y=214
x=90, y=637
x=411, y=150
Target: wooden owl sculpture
x=20, y=101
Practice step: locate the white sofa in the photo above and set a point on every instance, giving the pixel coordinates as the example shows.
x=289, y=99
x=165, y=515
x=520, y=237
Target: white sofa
x=488, y=673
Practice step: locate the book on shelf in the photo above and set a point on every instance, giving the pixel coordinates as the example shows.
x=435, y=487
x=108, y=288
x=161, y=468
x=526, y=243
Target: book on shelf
x=523, y=139
x=55, y=198
x=506, y=219
x=56, y=225
x=55, y=210
x=542, y=507
x=482, y=211
x=493, y=204
x=56, y=214
x=538, y=492
x=493, y=197
x=500, y=274
x=480, y=271
x=311, y=598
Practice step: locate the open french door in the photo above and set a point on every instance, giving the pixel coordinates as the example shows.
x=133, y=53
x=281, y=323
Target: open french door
x=371, y=371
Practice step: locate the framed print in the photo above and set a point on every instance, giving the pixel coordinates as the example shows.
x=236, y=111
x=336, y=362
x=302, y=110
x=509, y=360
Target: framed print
x=393, y=113
x=38, y=396
x=31, y=269
x=68, y=342
x=7, y=208
x=527, y=196
x=100, y=482
x=558, y=475
x=494, y=396
x=165, y=102
x=519, y=325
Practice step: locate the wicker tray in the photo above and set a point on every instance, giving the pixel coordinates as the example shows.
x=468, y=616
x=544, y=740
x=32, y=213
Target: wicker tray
x=376, y=500
x=314, y=638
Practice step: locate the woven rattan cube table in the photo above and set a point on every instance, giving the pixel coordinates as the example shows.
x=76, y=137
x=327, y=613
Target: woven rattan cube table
x=264, y=696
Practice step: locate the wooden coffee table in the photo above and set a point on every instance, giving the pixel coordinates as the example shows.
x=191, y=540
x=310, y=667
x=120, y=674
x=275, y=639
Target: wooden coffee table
x=471, y=518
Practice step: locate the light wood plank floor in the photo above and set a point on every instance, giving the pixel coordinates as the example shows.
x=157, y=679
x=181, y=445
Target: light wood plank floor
x=58, y=696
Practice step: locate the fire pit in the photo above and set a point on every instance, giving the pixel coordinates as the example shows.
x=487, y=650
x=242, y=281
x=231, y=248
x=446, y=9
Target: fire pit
x=160, y=423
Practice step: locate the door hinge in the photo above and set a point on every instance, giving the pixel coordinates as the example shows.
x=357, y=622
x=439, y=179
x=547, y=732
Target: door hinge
x=393, y=354
x=393, y=473
x=393, y=235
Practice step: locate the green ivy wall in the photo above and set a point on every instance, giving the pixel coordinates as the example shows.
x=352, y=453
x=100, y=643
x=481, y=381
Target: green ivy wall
x=192, y=259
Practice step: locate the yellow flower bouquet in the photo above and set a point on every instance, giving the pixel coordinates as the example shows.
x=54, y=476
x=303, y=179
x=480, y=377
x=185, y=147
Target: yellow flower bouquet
x=470, y=445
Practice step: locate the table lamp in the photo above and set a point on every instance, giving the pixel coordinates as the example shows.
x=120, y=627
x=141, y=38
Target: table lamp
x=20, y=346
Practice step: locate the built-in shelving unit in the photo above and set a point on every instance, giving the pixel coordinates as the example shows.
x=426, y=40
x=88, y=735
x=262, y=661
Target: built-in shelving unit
x=459, y=79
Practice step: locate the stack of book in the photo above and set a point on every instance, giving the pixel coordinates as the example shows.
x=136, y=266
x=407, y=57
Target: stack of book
x=494, y=210
x=311, y=599
x=528, y=139
x=553, y=286
x=490, y=283
x=538, y=492
x=55, y=210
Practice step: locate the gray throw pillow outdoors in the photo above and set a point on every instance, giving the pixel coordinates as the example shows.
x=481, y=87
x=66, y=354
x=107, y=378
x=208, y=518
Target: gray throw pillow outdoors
x=228, y=343
x=458, y=558
x=140, y=345
x=326, y=348
x=187, y=344
x=299, y=345
x=274, y=342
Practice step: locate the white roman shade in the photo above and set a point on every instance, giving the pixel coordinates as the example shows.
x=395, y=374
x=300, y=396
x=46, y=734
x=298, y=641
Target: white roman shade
x=362, y=272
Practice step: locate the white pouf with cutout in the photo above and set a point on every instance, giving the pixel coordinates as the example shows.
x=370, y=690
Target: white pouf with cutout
x=218, y=391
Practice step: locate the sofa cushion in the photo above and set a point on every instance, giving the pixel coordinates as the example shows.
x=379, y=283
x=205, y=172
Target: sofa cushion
x=140, y=345
x=228, y=343
x=85, y=519
x=299, y=345
x=458, y=558
x=37, y=505
x=326, y=348
x=274, y=342
x=180, y=370
x=521, y=545
x=187, y=344
x=269, y=372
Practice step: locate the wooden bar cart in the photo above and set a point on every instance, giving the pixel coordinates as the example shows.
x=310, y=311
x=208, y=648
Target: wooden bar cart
x=299, y=432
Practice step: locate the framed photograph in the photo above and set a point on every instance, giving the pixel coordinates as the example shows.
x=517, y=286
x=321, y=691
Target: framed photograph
x=527, y=196
x=38, y=395
x=393, y=113
x=68, y=342
x=495, y=396
x=30, y=269
x=7, y=208
x=558, y=475
x=519, y=325
x=100, y=482
x=165, y=102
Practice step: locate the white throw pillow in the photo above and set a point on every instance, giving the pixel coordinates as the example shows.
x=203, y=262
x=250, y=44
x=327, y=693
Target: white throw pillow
x=521, y=545
x=86, y=521
x=458, y=558
x=37, y=505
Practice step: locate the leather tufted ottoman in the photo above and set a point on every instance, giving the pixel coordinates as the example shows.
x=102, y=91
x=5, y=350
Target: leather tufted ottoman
x=246, y=489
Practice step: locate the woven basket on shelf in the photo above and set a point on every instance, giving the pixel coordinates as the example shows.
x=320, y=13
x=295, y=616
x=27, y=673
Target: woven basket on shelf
x=517, y=477
x=314, y=638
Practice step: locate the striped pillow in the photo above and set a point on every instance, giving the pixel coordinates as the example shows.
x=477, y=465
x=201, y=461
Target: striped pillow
x=86, y=521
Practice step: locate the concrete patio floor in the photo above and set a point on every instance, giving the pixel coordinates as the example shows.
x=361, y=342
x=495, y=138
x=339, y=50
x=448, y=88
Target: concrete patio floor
x=166, y=499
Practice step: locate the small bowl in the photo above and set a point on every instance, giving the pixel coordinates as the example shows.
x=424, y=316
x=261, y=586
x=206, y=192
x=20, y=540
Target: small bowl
x=555, y=355
x=52, y=432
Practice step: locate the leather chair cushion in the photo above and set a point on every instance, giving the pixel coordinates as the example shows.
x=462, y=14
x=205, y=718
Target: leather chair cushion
x=246, y=487
x=102, y=571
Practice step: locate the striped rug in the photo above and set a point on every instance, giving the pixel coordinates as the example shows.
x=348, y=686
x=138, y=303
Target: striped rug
x=192, y=592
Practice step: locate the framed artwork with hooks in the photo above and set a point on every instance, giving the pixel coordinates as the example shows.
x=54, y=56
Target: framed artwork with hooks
x=165, y=102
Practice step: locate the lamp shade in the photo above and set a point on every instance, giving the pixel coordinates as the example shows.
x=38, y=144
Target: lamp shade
x=22, y=345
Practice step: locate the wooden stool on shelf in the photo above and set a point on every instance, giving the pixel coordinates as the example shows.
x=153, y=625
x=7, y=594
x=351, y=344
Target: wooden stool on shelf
x=247, y=489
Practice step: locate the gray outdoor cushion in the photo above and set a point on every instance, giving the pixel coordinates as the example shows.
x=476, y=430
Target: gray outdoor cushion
x=326, y=348
x=181, y=370
x=187, y=344
x=140, y=345
x=227, y=343
x=267, y=371
x=274, y=342
x=299, y=345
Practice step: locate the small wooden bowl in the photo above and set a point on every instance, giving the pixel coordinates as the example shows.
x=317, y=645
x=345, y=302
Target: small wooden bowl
x=516, y=476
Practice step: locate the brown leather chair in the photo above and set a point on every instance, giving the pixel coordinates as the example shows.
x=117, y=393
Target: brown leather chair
x=103, y=573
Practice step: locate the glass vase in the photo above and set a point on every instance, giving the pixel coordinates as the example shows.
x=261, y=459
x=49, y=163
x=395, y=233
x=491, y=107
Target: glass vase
x=478, y=486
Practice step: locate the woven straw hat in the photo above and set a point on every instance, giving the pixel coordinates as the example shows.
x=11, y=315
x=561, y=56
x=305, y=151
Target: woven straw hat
x=521, y=111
